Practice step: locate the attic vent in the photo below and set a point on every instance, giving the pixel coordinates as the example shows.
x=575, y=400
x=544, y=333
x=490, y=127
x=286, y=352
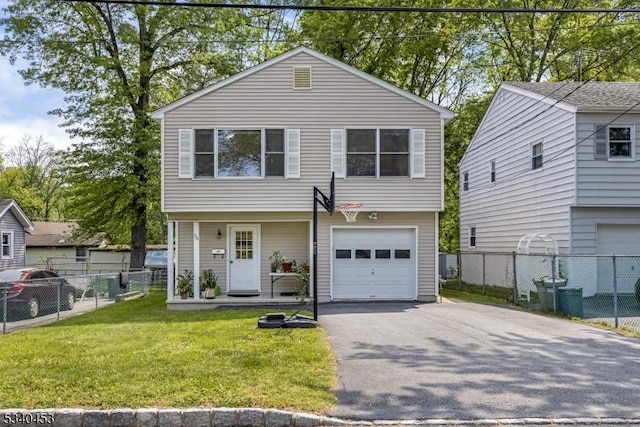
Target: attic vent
x=302, y=77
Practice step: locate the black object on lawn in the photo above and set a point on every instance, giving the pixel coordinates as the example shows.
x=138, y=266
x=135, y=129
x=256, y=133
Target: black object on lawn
x=280, y=320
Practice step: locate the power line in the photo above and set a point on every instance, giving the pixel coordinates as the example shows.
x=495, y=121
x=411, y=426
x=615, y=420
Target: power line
x=359, y=8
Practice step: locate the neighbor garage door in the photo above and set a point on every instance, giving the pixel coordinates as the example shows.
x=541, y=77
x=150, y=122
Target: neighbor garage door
x=374, y=263
x=614, y=239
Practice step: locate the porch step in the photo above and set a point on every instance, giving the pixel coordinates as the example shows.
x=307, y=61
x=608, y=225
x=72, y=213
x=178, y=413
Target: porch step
x=243, y=294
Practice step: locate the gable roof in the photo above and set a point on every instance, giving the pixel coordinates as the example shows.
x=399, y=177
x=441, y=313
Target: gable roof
x=587, y=96
x=57, y=234
x=444, y=113
x=11, y=205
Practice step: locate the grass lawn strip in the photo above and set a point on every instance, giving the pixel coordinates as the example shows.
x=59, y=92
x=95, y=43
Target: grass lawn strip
x=137, y=354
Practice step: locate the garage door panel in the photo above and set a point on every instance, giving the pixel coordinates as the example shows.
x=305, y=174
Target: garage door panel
x=620, y=240
x=374, y=263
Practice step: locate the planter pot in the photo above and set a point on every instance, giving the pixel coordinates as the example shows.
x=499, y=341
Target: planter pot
x=184, y=295
x=286, y=267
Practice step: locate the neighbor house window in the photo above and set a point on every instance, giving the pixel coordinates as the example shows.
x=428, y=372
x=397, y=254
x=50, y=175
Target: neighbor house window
x=239, y=153
x=614, y=142
x=472, y=237
x=492, y=171
x=536, y=156
x=7, y=244
x=81, y=254
x=465, y=181
x=377, y=152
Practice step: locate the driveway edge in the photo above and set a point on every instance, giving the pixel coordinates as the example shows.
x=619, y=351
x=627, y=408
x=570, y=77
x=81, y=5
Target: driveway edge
x=252, y=417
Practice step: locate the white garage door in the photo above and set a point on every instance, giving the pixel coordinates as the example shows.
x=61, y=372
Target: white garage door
x=374, y=263
x=613, y=239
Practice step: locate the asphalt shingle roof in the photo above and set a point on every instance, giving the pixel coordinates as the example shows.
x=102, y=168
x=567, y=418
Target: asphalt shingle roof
x=57, y=234
x=605, y=95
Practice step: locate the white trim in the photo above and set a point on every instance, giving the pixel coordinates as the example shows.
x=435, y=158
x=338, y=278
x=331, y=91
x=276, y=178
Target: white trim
x=475, y=236
x=162, y=168
x=540, y=98
x=436, y=252
x=17, y=211
x=196, y=260
x=442, y=123
x=416, y=247
x=12, y=242
x=170, y=261
x=159, y=114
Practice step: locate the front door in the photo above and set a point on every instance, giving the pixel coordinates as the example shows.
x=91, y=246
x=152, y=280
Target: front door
x=244, y=259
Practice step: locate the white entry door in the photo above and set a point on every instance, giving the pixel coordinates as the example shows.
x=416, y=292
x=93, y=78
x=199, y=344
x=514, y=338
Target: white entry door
x=244, y=259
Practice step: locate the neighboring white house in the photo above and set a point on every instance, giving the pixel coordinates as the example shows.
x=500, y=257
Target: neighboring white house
x=13, y=226
x=559, y=159
x=240, y=160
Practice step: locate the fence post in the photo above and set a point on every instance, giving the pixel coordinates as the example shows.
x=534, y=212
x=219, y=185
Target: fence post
x=553, y=282
x=459, y=271
x=4, y=308
x=484, y=275
x=58, y=289
x=615, y=291
x=515, y=280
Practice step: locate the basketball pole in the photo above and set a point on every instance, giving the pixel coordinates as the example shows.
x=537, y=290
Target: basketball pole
x=328, y=204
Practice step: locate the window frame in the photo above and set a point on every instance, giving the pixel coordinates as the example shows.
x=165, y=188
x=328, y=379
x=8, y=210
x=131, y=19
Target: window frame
x=535, y=157
x=492, y=171
x=631, y=142
x=378, y=153
x=473, y=238
x=263, y=152
x=465, y=181
x=10, y=244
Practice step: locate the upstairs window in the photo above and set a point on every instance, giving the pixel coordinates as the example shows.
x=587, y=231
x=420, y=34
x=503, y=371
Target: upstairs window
x=239, y=153
x=536, y=156
x=614, y=142
x=377, y=152
x=492, y=171
x=7, y=244
x=472, y=237
x=465, y=181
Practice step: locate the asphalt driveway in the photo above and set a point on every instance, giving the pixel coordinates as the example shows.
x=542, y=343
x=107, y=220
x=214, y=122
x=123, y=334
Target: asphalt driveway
x=458, y=360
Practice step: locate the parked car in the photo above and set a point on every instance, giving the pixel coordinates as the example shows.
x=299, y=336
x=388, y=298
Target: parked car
x=33, y=290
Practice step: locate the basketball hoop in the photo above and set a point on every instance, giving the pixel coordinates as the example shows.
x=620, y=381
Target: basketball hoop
x=349, y=210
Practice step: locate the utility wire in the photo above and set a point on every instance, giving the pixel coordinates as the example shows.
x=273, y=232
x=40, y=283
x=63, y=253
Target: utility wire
x=360, y=8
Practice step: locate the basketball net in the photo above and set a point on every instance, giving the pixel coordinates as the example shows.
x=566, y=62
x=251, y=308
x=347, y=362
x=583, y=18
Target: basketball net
x=349, y=210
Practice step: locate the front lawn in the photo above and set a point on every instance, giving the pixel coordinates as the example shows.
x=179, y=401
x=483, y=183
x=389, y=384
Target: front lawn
x=137, y=354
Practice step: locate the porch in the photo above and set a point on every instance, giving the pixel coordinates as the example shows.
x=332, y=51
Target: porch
x=226, y=301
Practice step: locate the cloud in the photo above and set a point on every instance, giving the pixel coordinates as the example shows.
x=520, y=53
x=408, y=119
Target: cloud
x=12, y=132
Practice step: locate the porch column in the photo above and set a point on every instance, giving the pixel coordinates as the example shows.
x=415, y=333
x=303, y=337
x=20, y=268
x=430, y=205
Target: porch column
x=171, y=282
x=196, y=260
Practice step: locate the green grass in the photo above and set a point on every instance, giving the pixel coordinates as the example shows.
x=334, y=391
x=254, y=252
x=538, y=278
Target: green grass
x=137, y=354
x=495, y=292
x=471, y=297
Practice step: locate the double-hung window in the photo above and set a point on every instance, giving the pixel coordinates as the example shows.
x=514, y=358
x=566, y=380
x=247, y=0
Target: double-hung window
x=7, y=244
x=377, y=152
x=239, y=153
x=472, y=237
x=614, y=142
x=492, y=171
x=536, y=156
x=465, y=181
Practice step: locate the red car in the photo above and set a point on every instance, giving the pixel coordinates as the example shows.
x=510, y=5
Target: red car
x=32, y=290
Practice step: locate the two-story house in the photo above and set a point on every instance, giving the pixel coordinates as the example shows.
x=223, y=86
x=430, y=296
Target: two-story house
x=240, y=160
x=13, y=226
x=557, y=159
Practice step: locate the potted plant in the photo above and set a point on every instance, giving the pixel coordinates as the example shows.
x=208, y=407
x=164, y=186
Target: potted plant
x=185, y=284
x=209, y=284
x=302, y=274
x=276, y=259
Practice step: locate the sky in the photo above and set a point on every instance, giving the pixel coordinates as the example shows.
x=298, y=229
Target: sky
x=23, y=108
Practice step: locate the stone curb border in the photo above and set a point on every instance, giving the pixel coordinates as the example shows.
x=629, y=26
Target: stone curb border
x=253, y=417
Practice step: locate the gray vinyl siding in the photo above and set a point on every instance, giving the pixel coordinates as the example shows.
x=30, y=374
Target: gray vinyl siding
x=8, y=222
x=584, y=224
x=604, y=182
x=338, y=99
x=521, y=201
x=290, y=233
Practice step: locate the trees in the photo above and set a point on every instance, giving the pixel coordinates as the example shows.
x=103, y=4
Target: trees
x=33, y=178
x=116, y=63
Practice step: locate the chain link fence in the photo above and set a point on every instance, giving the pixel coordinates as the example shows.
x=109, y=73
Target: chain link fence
x=600, y=289
x=47, y=296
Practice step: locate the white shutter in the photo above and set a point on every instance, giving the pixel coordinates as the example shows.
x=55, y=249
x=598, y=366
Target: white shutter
x=418, y=153
x=293, y=153
x=600, y=149
x=185, y=153
x=337, y=152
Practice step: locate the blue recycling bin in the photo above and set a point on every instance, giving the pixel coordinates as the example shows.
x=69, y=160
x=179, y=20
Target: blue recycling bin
x=571, y=301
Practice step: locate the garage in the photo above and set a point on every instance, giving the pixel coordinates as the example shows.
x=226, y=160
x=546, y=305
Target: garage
x=619, y=240
x=374, y=263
